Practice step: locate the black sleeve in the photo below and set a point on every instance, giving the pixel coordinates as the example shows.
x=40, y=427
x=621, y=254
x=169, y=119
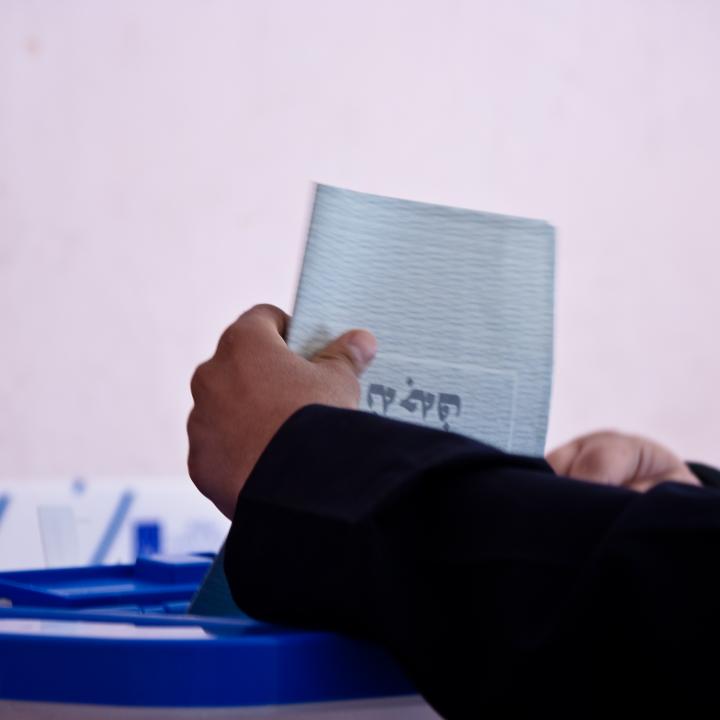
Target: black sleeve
x=708, y=476
x=496, y=584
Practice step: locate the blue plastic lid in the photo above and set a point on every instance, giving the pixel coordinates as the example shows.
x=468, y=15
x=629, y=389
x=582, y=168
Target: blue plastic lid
x=118, y=653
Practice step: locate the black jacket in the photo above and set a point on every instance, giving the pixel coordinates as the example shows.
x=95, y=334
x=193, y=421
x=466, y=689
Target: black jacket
x=497, y=584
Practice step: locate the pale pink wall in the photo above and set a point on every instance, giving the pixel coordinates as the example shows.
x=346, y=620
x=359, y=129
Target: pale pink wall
x=155, y=168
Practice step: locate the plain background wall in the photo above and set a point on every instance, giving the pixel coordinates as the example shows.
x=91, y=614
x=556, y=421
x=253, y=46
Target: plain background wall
x=156, y=159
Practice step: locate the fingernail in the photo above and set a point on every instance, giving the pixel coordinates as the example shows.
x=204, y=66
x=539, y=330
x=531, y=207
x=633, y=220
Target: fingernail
x=364, y=346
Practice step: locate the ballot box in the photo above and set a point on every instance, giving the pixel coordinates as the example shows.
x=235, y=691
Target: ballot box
x=117, y=642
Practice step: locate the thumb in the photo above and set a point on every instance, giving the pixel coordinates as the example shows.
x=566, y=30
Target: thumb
x=353, y=350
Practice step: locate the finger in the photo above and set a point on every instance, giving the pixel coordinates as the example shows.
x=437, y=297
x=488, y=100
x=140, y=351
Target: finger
x=261, y=323
x=598, y=463
x=562, y=458
x=267, y=317
x=353, y=351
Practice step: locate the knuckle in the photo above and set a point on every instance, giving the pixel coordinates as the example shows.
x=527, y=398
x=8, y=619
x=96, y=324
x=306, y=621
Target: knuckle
x=228, y=339
x=334, y=357
x=593, y=460
x=265, y=316
x=262, y=308
x=341, y=358
x=190, y=426
x=235, y=336
x=256, y=312
x=197, y=383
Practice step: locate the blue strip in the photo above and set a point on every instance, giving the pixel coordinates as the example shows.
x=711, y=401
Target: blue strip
x=189, y=667
x=4, y=502
x=172, y=661
x=113, y=528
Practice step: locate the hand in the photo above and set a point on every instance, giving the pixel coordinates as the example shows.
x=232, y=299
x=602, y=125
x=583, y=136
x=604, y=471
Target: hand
x=612, y=458
x=251, y=386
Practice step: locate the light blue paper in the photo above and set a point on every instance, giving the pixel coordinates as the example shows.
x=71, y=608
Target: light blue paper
x=461, y=303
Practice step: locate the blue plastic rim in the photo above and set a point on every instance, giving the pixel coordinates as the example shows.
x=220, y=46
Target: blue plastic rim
x=128, y=655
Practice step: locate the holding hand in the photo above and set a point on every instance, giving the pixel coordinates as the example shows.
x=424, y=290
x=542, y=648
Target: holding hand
x=251, y=386
x=612, y=458
x=254, y=383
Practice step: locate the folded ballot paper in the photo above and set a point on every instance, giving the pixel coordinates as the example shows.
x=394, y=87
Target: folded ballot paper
x=461, y=303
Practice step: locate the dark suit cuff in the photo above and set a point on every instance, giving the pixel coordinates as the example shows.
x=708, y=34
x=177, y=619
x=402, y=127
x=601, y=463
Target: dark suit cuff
x=708, y=476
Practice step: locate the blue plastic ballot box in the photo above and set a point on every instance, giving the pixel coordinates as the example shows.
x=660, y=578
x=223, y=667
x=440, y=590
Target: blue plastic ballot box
x=117, y=642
